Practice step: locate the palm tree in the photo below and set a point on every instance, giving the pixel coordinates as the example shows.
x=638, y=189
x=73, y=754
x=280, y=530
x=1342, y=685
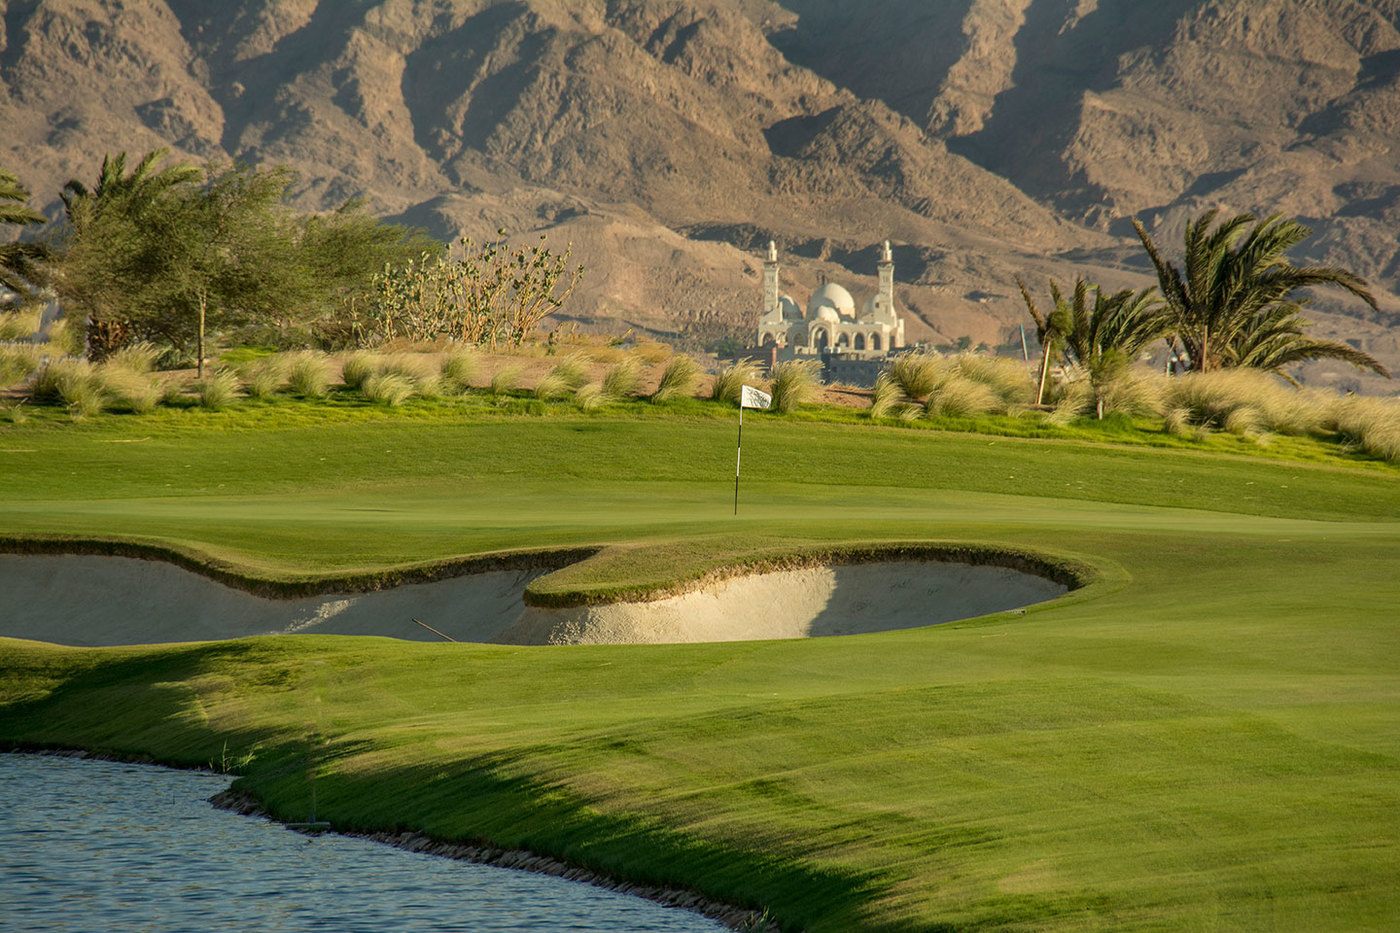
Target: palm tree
x=1050, y=330
x=1097, y=332
x=22, y=270
x=1236, y=301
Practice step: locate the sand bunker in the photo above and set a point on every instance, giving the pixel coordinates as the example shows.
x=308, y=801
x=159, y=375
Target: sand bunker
x=89, y=600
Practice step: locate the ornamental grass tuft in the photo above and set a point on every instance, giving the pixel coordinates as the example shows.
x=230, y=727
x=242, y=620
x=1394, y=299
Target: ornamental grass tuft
x=388, y=389
x=885, y=397
x=139, y=358
x=216, y=390
x=956, y=396
x=128, y=389
x=420, y=371
x=590, y=396
x=263, y=378
x=916, y=374
x=18, y=363
x=458, y=370
x=572, y=370
x=505, y=380
x=309, y=374
x=730, y=380
x=621, y=380
x=357, y=369
x=678, y=379
x=795, y=383
x=552, y=386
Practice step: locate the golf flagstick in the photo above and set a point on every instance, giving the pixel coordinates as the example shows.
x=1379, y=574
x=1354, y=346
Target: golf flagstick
x=749, y=397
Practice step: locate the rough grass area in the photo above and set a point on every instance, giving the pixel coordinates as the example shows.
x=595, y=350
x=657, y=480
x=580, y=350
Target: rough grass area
x=1206, y=735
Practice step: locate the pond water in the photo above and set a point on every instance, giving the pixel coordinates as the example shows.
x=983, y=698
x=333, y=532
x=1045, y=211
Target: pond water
x=89, y=845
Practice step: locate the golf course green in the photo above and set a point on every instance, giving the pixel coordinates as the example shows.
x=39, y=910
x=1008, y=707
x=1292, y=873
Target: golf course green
x=1206, y=734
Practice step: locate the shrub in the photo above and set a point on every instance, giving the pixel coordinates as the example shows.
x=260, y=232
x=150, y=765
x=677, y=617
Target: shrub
x=794, y=383
x=458, y=370
x=730, y=381
x=590, y=396
x=309, y=374
x=128, y=389
x=916, y=374
x=358, y=368
x=552, y=386
x=391, y=389
x=678, y=379
x=505, y=380
x=621, y=380
x=216, y=390
x=264, y=378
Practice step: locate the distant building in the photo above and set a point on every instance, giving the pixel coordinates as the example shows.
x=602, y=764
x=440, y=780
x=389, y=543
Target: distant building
x=830, y=323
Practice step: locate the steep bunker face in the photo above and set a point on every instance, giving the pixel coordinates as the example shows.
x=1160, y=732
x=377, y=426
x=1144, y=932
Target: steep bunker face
x=92, y=601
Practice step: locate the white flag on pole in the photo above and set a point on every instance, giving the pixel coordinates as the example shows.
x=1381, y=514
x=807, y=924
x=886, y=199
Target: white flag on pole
x=749, y=397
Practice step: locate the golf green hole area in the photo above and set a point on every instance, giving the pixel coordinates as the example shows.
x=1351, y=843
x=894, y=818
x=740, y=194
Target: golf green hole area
x=87, y=600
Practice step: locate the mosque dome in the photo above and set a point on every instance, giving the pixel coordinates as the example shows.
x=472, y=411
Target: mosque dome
x=832, y=296
x=792, y=311
x=827, y=313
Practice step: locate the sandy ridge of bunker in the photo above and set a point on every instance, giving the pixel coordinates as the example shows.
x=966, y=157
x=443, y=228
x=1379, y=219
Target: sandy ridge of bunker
x=92, y=600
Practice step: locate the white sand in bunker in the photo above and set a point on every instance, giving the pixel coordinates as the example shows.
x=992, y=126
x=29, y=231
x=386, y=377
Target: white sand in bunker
x=89, y=600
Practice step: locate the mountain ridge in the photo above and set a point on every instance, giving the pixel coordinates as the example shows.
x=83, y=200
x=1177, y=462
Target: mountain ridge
x=668, y=139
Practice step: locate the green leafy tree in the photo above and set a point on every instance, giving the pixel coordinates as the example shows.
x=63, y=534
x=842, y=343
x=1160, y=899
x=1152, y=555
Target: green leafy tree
x=1236, y=299
x=23, y=269
x=176, y=255
x=342, y=253
x=113, y=256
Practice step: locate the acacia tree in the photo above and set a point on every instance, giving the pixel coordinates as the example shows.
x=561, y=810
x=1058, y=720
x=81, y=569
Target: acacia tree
x=114, y=244
x=22, y=264
x=170, y=254
x=1236, y=302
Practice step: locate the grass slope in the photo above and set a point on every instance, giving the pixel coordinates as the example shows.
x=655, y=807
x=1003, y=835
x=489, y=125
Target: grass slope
x=1207, y=735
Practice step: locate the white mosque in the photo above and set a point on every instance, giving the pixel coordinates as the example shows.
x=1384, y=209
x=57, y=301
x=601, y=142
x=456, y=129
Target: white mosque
x=830, y=322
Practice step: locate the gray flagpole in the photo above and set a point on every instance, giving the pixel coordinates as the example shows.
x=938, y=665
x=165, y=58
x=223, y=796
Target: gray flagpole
x=739, y=452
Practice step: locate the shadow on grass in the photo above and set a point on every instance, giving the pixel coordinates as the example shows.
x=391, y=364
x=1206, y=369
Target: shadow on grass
x=145, y=708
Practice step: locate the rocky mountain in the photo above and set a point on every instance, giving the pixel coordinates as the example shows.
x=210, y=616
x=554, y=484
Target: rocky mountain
x=668, y=139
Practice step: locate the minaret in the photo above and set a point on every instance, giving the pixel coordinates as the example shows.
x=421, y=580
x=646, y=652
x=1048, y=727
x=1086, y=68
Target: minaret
x=770, y=282
x=884, y=301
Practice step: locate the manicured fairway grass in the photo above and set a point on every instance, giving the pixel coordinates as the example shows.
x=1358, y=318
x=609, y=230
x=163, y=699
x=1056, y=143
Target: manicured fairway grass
x=1207, y=735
